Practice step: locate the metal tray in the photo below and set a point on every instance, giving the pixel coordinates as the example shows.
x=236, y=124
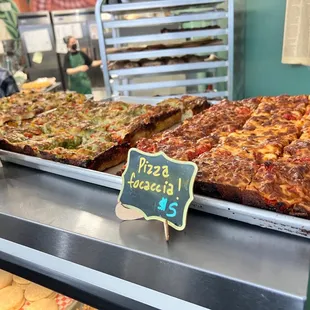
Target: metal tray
x=155, y=100
x=253, y=216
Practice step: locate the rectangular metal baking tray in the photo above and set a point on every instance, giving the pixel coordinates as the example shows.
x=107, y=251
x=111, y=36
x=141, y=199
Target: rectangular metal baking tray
x=253, y=216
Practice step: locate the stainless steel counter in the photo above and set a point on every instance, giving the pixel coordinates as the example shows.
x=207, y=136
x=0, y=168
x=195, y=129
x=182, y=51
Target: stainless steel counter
x=68, y=231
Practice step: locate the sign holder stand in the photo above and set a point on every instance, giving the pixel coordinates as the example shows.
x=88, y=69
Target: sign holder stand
x=126, y=214
x=156, y=187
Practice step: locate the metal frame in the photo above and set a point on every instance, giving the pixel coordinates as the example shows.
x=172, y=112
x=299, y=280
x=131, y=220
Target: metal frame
x=120, y=82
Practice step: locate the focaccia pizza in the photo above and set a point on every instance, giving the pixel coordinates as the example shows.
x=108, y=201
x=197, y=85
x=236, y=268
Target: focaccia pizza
x=72, y=130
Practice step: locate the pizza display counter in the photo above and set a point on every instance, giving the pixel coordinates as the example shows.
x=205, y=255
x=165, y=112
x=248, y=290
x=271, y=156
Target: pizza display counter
x=63, y=234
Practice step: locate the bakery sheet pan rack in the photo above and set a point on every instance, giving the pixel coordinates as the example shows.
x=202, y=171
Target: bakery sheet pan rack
x=142, y=22
x=146, y=31
x=169, y=68
x=168, y=52
x=263, y=218
x=147, y=6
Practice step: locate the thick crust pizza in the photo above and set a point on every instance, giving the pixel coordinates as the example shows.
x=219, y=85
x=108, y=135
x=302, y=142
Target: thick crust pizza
x=255, y=151
x=282, y=186
x=72, y=130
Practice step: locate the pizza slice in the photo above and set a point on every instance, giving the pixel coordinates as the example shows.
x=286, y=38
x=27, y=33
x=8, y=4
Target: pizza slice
x=284, y=99
x=269, y=114
x=198, y=134
x=262, y=151
x=176, y=147
x=97, y=155
x=220, y=119
x=224, y=178
x=260, y=145
x=281, y=186
x=305, y=134
x=31, y=144
x=144, y=121
x=23, y=106
x=298, y=150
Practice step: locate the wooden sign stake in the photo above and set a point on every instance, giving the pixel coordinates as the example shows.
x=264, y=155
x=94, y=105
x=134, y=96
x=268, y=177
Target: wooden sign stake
x=166, y=229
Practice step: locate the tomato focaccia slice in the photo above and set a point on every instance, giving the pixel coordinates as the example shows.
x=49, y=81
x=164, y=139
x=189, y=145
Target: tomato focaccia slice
x=219, y=120
x=272, y=121
x=306, y=126
x=283, y=110
x=270, y=107
x=305, y=134
x=238, y=107
x=286, y=133
x=259, y=145
x=251, y=103
x=307, y=114
x=299, y=99
x=306, y=123
x=269, y=114
x=175, y=147
x=302, y=99
x=254, y=101
x=298, y=150
x=200, y=133
x=224, y=178
x=259, y=151
x=216, y=126
x=281, y=186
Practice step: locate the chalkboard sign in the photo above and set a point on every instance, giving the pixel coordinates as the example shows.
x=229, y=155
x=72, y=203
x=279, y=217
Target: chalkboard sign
x=161, y=187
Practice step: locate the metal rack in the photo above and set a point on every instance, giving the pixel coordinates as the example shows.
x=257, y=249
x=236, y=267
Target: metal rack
x=197, y=77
